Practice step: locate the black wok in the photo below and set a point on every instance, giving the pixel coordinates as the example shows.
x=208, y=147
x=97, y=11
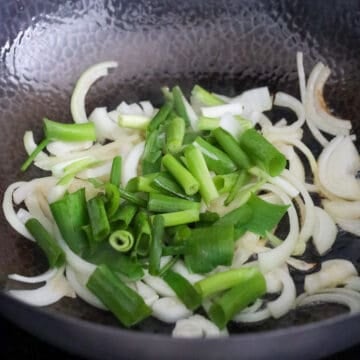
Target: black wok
x=226, y=46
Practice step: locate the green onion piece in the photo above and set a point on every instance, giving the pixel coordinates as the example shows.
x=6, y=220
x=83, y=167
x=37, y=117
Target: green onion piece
x=237, y=299
x=103, y=254
x=34, y=154
x=143, y=234
x=245, y=124
x=113, y=199
x=132, y=198
x=175, y=132
x=164, y=182
x=240, y=182
x=167, y=94
x=168, y=265
x=224, y=183
x=178, y=234
x=208, y=247
x=232, y=148
x=207, y=123
x=262, y=152
x=133, y=121
x=205, y=97
x=122, y=301
x=142, y=184
x=69, y=132
x=123, y=216
x=180, y=217
x=237, y=217
x=209, y=217
x=265, y=216
x=157, y=232
x=216, y=160
x=183, y=289
x=164, y=203
x=160, y=117
x=197, y=166
x=70, y=214
x=151, y=159
x=173, y=250
x=98, y=219
x=52, y=250
x=224, y=280
x=181, y=174
x=179, y=104
x=115, y=174
x=121, y=240
x=96, y=183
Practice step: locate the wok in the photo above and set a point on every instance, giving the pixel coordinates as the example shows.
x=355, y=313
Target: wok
x=226, y=46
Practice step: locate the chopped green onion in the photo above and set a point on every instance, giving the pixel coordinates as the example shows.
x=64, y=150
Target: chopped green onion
x=142, y=184
x=179, y=233
x=143, y=234
x=98, y=219
x=237, y=299
x=113, y=199
x=123, y=216
x=122, y=301
x=208, y=247
x=180, y=217
x=262, y=152
x=34, y=154
x=206, y=97
x=207, y=123
x=232, y=148
x=134, y=121
x=132, y=198
x=216, y=160
x=121, y=240
x=70, y=214
x=151, y=160
x=234, y=191
x=224, y=183
x=237, y=217
x=175, y=135
x=183, y=289
x=52, y=250
x=181, y=174
x=156, y=244
x=115, y=174
x=69, y=132
x=179, y=105
x=209, y=217
x=164, y=203
x=224, y=280
x=197, y=166
x=168, y=265
x=160, y=116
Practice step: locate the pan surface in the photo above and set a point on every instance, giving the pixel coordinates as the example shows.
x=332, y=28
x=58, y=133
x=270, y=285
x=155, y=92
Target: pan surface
x=225, y=46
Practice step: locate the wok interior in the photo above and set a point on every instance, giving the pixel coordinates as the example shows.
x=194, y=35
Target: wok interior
x=226, y=48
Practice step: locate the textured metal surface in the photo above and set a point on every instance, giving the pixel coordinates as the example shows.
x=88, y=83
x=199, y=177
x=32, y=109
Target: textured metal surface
x=226, y=46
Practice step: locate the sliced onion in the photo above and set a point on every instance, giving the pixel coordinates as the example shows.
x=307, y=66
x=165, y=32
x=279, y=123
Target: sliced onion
x=148, y=109
x=78, y=283
x=220, y=110
x=146, y=292
x=338, y=165
x=325, y=231
x=332, y=273
x=170, y=310
x=197, y=326
x=159, y=285
x=301, y=264
x=258, y=99
x=131, y=163
x=286, y=300
x=55, y=288
x=349, y=225
x=342, y=208
x=241, y=255
x=296, y=166
x=47, y=275
x=274, y=258
x=96, y=172
x=60, y=148
x=83, y=85
x=180, y=268
x=273, y=282
x=353, y=283
x=35, y=210
x=257, y=316
x=9, y=211
x=231, y=125
x=301, y=75
x=30, y=145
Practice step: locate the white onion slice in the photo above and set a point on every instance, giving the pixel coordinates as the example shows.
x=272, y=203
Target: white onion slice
x=300, y=264
x=258, y=99
x=273, y=282
x=47, y=275
x=197, y=326
x=349, y=225
x=353, y=283
x=180, y=268
x=159, y=285
x=148, y=109
x=83, y=85
x=332, y=273
x=9, y=211
x=342, y=208
x=131, y=163
x=146, y=292
x=325, y=231
x=78, y=283
x=60, y=148
x=96, y=172
x=170, y=310
x=193, y=118
x=338, y=165
x=220, y=110
x=257, y=316
x=231, y=125
x=301, y=75
x=30, y=145
x=286, y=300
x=55, y=288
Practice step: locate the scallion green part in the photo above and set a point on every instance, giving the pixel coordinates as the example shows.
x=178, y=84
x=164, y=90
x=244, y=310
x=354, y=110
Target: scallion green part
x=160, y=117
x=123, y=215
x=239, y=183
x=151, y=159
x=179, y=105
x=142, y=184
x=157, y=232
x=175, y=132
x=112, y=199
x=164, y=203
x=183, y=289
x=54, y=254
x=121, y=240
x=115, y=174
x=143, y=234
x=34, y=154
x=121, y=300
x=133, y=121
x=69, y=132
x=205, y=97
x=207, y=123
x=181, y=174
x=180, y=217
x=224, y=183
x=98, y=218
x=132, y=198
